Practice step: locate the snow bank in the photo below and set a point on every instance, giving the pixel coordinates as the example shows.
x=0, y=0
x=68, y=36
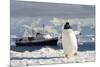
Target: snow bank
x=48, y=55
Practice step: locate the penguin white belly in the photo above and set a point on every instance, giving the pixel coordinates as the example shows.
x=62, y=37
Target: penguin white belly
x=69, y=42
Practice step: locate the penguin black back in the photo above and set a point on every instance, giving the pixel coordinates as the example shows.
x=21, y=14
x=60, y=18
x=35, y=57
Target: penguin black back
x=67, y=26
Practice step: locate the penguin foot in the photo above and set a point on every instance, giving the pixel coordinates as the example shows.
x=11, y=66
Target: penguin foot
x=75, y=53
x=66, y=56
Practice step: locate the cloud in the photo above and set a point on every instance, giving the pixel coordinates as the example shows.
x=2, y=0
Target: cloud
x=58, y=21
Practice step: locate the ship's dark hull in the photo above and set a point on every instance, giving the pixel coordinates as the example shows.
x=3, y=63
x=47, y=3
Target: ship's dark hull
x=47, y=42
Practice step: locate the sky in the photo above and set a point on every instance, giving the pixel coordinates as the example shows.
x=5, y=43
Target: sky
x=52, y=14
x=34, y=9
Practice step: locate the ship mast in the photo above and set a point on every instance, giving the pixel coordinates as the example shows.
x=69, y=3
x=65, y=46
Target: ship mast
x=79, y=29
x=43, y=29
x=32, y=31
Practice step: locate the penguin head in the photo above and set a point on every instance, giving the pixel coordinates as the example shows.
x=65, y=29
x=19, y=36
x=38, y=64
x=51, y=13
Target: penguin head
x=67, y=26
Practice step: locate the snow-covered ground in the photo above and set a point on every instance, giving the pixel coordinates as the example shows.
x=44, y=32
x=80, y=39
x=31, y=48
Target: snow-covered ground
x=28, y=56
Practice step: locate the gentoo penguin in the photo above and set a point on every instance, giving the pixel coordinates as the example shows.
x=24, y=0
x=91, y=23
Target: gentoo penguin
x=69, y=41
